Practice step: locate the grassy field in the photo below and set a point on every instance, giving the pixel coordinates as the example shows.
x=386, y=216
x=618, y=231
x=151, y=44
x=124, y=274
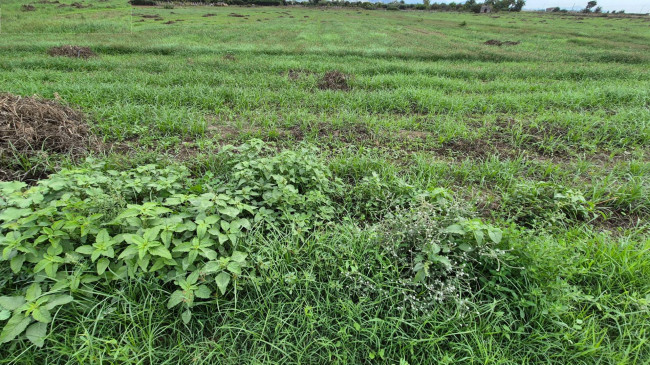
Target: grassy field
x=450, y=202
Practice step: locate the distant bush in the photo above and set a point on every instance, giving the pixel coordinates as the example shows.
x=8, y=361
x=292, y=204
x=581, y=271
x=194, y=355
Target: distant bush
x=143, y=2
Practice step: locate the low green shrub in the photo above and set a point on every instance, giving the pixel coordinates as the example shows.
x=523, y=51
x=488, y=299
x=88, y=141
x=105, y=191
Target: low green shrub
x=88, y=229
x=440, y=254
x=88, y=225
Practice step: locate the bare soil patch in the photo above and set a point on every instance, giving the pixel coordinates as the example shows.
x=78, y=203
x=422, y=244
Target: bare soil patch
x=477, y=148
x=230, y=57
x=494, y=42
x=235, y=15
x=71, y=51
x=296, y=74
x=208, y=15
x=28, y=7
x=334, y=80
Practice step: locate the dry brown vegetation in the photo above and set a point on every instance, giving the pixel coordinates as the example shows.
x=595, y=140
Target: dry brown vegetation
x=71, y=51
x=29, y=124
x=334, y=80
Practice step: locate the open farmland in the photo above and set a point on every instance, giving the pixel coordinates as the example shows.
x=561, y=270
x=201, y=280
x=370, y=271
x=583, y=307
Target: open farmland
x=318, y=185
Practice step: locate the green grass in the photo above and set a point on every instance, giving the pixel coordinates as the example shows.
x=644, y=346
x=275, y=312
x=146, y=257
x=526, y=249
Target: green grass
x=429, y=105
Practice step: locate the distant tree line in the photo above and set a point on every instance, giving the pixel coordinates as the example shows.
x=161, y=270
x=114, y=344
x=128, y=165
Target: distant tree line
x=469, y=6
x=229, y=2
x=592, y=7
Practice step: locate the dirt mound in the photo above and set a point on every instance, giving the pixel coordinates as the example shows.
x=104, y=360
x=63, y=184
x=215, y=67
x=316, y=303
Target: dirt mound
x=208, y=15
x=494, y=42
x=230, y=57
x=235, y=15
x=71, y=51
x=79, y=5
x=334, y=80
x=31, y=124
x=28, y=7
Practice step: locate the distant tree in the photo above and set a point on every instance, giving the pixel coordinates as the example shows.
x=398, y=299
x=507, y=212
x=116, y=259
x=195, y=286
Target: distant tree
x=506, y=5
x=598, y=10
x=590, y=5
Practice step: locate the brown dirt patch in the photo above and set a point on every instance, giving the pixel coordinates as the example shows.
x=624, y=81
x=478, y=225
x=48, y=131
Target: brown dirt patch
x=296, y=74
x=235, y=15
x=494, y=42
x=413, y=135
x=31, y=126
x=230, y=57
x=169, y=22
x=347, y=134
x=71, y=51
x=208, y=15
x=80, y=5
x=28, y=7
x=150, y=16
x=477, y=148
x=334, y=80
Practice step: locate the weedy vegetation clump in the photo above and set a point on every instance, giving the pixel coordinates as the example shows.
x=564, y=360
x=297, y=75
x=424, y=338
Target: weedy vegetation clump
x=87, y=228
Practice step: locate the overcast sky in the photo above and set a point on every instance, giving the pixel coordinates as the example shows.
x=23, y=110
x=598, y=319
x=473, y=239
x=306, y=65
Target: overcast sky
x=630, y=6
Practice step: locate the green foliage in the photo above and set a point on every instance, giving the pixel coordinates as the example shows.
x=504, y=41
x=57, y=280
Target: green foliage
x=428, y=111
x=543, y=204
x=29, y=313
x=373, y=197
x=440, y=254
x=168, y=226
x=292, y=188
